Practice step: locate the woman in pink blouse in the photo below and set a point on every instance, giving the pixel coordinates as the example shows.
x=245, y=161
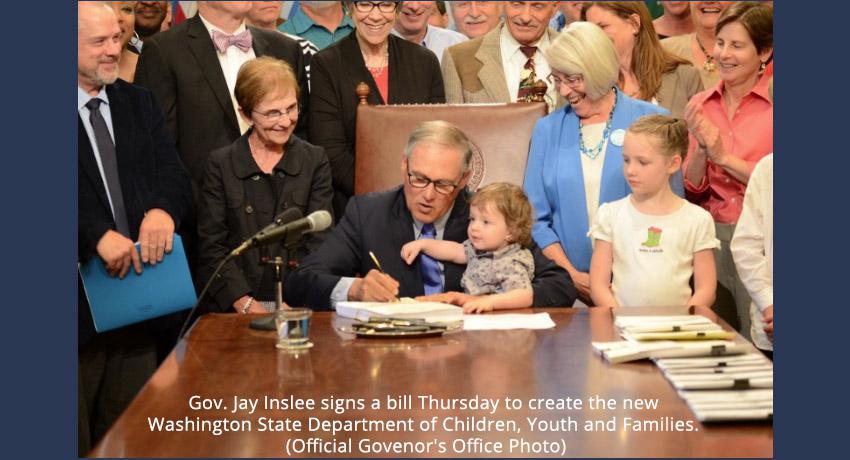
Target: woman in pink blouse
x=731, y=129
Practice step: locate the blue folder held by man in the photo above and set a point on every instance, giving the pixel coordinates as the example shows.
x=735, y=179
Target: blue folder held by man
x=159, y=290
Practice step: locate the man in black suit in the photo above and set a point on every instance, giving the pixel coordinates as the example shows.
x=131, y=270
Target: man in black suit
x=438, y=154
x=193, y=76
x=131, y=187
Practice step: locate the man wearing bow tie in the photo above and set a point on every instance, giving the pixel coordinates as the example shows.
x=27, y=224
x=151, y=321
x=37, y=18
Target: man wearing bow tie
x=192, y=69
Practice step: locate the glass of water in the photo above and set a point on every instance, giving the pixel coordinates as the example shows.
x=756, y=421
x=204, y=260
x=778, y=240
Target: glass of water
x=293, y=327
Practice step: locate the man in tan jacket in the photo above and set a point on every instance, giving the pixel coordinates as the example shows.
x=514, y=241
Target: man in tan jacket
x=496, y=66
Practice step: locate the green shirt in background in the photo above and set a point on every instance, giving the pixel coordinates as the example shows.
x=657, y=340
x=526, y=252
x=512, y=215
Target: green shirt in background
x=300, y=24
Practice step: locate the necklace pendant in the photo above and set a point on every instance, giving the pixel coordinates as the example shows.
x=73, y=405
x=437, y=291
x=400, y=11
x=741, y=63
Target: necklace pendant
x=709, y=66
x=591, y=153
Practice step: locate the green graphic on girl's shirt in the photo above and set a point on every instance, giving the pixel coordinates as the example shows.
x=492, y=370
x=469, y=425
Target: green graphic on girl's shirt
x=653, y=237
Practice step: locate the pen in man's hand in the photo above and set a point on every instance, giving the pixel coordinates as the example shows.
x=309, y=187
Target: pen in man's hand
x=377, y=264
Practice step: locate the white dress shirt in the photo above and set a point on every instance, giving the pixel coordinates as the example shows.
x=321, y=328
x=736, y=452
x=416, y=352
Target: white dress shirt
x=82, y=99
x=231, y=60
x=437, y=39
x=513, y=61
x=752, y=247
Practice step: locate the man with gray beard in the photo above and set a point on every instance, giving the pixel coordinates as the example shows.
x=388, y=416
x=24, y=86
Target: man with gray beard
x=131, y=187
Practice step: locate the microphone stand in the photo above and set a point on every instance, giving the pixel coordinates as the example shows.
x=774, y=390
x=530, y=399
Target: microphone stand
x=282, y=266
x=291, y=242
x=186, y=323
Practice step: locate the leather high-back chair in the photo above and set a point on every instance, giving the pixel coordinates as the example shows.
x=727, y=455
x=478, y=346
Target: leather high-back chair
x=501, y=134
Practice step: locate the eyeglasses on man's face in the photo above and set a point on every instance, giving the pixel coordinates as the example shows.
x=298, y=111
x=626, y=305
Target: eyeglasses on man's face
x=275, y=115
x=367, y=7
x=441, y=186
x=563, y=79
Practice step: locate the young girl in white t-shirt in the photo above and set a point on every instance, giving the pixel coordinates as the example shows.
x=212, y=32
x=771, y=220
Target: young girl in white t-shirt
x=652, y=241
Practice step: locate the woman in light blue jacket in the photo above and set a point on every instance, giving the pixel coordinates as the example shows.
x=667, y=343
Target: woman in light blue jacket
x=576, y=163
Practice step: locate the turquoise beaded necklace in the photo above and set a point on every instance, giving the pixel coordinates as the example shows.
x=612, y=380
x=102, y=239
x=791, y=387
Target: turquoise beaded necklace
x=594, y=152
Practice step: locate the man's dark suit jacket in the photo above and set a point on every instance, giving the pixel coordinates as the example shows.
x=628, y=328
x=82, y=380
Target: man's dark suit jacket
x=381, y=223
x=414, y=78
x=149, y=169
x=181, y=67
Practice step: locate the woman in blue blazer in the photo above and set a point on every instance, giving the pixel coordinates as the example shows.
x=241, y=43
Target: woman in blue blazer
x=576, y=161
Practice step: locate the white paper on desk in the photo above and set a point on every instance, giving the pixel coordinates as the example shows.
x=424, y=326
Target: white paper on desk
x=623, y=351
x=711, y=362
x=670, y=327
x=733, y=415
x=733, y=370
x=712, y=377
x=407, y=308
x=743, y=396
x=703, y=348
x=727, y=405
x=722, y=384
x=658, y=320
x=507, y=321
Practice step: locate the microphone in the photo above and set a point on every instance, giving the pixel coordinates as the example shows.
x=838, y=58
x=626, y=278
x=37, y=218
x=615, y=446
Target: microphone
x=315, y=222
x=285, y=217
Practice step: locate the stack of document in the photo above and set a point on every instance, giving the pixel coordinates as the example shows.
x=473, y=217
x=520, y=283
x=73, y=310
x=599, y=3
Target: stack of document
x=751, y=361
x=719, y=379
x=623, y=351
x=723, y=379
x=668, y=337
x=406, y=308
x=631, y=350
x=436, y=312
x=662, y=324
x=733, y=405
x=744, y=382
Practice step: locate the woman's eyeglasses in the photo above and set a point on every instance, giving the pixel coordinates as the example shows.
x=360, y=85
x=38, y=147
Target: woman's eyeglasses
x=570, y=80
x=383, y=7
x=274, y=115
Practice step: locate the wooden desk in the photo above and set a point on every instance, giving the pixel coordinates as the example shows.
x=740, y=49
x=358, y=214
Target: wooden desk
x=221, y=358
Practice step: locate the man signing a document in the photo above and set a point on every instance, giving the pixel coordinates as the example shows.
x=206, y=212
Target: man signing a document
x=431, y=203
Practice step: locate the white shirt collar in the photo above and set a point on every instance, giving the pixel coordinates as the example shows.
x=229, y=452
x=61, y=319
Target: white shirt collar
x=210, y=27
x=511, y=46
x=427, y=34
x=439, y=224
x=83, y=97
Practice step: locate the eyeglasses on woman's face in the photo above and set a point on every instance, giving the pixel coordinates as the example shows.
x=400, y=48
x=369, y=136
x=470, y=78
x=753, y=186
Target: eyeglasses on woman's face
x=557, y=79
x=275, y=115
x=367, y=7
